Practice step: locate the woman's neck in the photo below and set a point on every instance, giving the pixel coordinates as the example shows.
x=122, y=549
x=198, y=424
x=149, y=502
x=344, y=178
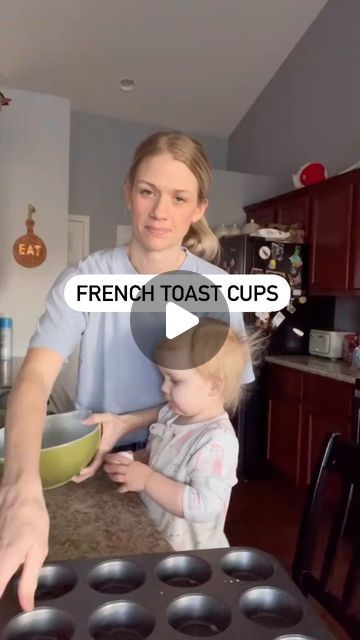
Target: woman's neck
x=155, y=261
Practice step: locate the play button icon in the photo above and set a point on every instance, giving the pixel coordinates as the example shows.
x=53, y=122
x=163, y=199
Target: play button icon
x=178, y=320
x=172, y=304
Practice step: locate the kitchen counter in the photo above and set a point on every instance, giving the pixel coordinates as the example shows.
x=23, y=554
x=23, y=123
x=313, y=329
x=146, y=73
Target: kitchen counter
x=336, y=369
x=93, y=519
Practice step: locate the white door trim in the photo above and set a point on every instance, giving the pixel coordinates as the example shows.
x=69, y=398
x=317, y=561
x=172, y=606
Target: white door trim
x=86, y=227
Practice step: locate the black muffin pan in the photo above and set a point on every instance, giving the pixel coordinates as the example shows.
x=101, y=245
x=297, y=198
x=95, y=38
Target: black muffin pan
x=227, y=594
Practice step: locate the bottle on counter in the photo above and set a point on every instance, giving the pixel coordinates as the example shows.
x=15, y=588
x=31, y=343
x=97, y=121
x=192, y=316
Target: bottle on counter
x=356, y=358
x=350, y=342
x=6, y=338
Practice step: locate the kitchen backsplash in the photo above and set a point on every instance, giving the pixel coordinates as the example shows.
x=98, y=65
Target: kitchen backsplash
x=347, y=314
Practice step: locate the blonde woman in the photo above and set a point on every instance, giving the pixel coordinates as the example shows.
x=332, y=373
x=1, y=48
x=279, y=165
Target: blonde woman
x=186, y=472
x=166, y=193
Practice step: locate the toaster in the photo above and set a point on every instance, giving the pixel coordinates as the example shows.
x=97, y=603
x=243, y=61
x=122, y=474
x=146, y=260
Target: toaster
x=327, y=344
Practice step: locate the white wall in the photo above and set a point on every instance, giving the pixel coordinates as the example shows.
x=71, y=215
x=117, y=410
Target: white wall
x=231, y=191
x=34, y=168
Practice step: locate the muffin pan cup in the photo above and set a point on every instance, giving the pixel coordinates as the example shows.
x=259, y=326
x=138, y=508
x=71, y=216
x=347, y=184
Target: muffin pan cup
x=226, y=593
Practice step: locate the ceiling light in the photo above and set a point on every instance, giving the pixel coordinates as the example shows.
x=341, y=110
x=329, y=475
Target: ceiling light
x=127, y=84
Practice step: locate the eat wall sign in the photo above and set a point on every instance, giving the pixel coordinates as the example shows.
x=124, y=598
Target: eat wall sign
x=29, y=250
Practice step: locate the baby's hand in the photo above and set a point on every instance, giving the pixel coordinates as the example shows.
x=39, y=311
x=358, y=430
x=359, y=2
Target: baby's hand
x=130, y=474
x=127, y=454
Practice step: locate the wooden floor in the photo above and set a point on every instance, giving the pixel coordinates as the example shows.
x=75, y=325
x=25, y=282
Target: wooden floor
x=266, y=514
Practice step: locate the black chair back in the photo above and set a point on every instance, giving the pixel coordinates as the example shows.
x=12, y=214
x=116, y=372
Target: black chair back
x=330, y=528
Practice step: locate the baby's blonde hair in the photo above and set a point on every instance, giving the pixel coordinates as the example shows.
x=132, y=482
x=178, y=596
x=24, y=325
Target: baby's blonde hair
x=200, y=239
x=209, y=336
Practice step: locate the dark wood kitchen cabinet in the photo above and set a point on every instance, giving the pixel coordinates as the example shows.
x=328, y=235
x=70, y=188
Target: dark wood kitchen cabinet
x=354, y=276
x=303, y=409
x=284, y=421
x=295, y=211
x=326, y=409
x=330, y=238
x=282, y=210
x=329, y=213
x=263, y=214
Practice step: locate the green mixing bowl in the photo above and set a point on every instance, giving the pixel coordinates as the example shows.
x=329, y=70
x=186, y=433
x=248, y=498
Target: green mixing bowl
x=67, y=447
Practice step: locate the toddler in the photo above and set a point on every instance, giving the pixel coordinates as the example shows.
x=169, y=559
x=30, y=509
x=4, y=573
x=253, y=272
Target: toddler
x=187, y=470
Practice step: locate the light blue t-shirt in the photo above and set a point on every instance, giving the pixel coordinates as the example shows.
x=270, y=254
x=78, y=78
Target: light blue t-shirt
x=113, y=374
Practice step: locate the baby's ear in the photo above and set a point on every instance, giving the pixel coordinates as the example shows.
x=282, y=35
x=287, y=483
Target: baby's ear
x=217, y=387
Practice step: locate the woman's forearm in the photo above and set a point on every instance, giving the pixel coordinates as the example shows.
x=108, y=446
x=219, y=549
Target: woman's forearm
x=24, y=421
x=166, y=492
x=139, y=419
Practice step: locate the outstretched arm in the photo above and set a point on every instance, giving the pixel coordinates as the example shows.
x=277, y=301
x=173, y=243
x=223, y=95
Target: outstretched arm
x=24, y=521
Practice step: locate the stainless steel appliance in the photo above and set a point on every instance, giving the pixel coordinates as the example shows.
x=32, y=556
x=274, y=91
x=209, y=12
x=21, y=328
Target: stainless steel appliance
x=289, y=331
x=251, y=254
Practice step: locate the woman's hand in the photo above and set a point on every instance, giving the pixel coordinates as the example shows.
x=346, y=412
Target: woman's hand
x=24, y=533
x=113, y=428
x=132, y=475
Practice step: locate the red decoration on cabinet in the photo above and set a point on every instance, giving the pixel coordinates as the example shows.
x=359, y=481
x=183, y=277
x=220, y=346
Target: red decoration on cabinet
x=309, y=173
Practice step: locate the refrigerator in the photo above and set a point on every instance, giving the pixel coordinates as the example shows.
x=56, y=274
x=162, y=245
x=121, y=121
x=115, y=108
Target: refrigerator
x=285, y=332
x=288, y=330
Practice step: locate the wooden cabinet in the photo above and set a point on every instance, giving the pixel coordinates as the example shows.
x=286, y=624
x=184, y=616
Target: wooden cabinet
x=326, y=409
x=329, y=213
x=330, y=239
x=295, y=211
x=354, y=275
x=289, y=210
x=303, y=410
x=285, y=421
x=283, y=436
x=263, y=214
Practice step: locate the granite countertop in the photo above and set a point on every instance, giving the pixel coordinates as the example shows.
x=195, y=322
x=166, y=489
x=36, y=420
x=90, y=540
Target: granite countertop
x=336, y=369
x=93, y=519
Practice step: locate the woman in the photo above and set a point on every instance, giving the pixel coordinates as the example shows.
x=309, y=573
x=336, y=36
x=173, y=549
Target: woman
x=166, y=193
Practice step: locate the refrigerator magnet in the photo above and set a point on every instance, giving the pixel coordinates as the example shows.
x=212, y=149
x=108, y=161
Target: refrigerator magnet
x=291, y=307
x=295, y=259
x=277, y=251
x=295, y=281
x=262, y=320
x=264, y=252
x=298, y=332
x=277, y=319
x=272, y=264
